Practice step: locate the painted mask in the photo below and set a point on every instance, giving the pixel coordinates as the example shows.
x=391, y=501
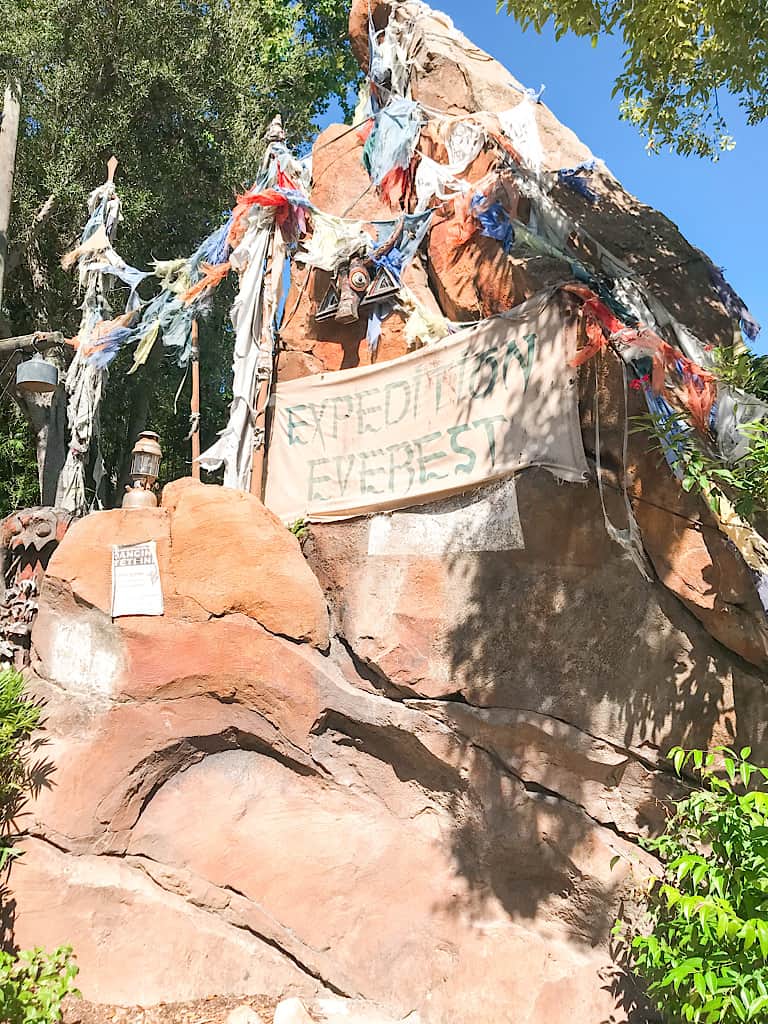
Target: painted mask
x=357, y=285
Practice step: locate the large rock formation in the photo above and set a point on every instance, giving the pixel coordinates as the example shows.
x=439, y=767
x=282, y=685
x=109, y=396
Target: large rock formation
x=420, y=812
x=396, y=769
x=238, y=806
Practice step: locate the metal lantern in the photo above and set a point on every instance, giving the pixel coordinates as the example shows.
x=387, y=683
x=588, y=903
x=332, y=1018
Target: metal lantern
x=37, y=376
x=145, y=469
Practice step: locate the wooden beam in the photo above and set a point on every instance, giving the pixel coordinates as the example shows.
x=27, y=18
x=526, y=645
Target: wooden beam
x=31, y=341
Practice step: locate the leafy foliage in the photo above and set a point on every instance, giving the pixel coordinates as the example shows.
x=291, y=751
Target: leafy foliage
x=299, y=529
x=19, y=717
x=703, y=950
x=33, y=985
x=18, y=463
x=677, y=56
x=744, y=483
x=182, y=93
x=744, y=369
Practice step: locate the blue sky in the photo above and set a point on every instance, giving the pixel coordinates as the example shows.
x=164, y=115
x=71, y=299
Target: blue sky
x=720, y=207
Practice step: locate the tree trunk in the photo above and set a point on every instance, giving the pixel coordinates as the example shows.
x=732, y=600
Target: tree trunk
x=9, y=133
x=45, y=413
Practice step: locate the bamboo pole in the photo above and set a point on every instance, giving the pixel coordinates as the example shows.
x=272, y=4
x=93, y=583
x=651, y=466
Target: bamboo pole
x=195, y=402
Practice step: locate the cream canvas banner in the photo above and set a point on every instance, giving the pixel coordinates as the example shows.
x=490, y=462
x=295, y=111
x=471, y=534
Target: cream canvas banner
x=479, y=405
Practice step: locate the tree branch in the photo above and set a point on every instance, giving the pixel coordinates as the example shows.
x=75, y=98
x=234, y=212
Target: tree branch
x=42, y=216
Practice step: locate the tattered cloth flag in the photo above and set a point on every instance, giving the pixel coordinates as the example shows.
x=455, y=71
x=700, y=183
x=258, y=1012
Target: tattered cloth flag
x=85, y=381
x=737, y=308
x=256, y=307
x=494, y=221
x=397, y=245
x=602, y=326
x=186, y=294
x=333, y=242
x=390, y=147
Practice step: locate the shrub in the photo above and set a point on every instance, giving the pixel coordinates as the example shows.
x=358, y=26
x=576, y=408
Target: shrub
x=33, y=985
x=19, y=717
x=702, y=948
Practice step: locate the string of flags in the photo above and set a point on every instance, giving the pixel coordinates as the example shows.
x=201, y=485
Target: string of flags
x=515, y=204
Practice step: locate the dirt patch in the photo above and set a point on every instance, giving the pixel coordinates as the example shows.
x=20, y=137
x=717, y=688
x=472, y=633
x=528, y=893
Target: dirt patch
x=201, y=1011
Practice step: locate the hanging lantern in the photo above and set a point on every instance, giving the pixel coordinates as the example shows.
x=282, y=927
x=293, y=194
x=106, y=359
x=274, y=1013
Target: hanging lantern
x=36, y=376
x=145, y=469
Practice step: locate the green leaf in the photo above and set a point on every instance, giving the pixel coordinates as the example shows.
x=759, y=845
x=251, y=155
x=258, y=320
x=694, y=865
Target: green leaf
x=761, y=1003
x=749, y=934
x=698, y=873
x=761, y=929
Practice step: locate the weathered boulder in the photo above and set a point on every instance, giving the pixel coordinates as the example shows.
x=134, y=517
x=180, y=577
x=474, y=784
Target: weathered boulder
x=549, y=618
x=193, y=531
x=249, y=799
x=276, y=589
x=688, y=551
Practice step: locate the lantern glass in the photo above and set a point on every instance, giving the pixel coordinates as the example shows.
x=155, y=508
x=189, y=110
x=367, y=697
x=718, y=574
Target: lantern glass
x=145, y=459
x=145, y=464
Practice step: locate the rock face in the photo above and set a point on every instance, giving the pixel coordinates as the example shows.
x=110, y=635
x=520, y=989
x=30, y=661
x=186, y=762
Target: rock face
x=277, y=817
x=432, y=800
x=394, y=767
x=681, y=538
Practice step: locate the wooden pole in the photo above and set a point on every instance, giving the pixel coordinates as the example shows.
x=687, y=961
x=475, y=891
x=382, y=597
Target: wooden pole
x=259, y=424
x=25, y=341
x=195, y=402
x=271, y=276
x=273, y=270
x=9, y=133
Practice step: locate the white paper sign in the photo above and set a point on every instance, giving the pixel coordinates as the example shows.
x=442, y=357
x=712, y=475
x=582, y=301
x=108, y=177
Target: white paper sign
x=488, y=521
x=136, y=586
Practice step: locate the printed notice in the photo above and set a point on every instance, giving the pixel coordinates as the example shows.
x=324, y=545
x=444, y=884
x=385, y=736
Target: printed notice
x=136, y=587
